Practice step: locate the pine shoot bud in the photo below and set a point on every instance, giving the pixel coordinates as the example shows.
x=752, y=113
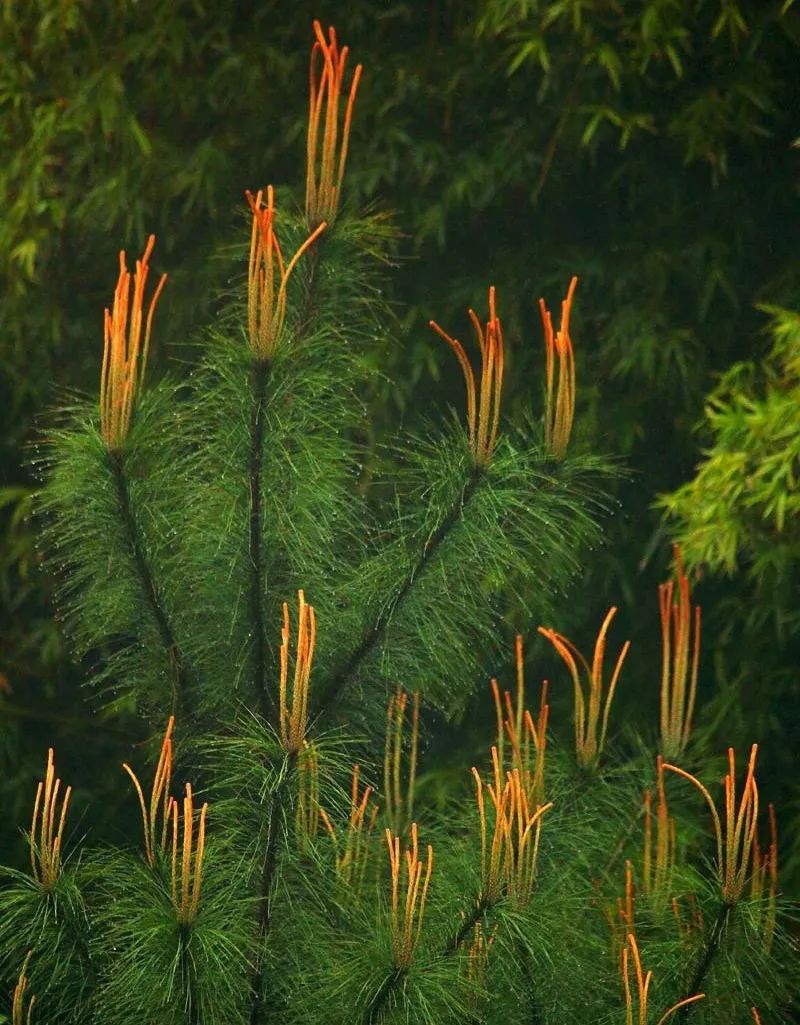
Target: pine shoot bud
x=159, y=797
x=294, y=720
x=187, y=870
x=407, y=918
x=324, y=172
x=268, y=276
x=678, y=623
x=45, y=848
x=483, y=406
x=591, y=710
x=123, y=370
x=736, y=843
x=560, y=396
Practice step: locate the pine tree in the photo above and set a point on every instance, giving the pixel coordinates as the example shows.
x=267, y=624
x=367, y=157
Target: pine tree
x=289, y=634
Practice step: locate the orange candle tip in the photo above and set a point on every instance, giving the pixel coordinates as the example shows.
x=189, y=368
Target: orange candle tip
x=559, y=382
x=126, y=346
x=484, y=390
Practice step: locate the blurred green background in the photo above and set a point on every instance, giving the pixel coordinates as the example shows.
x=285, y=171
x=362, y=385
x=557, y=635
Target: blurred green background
x=650, y=146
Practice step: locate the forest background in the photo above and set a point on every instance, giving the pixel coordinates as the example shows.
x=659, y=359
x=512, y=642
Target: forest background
x=650, y=147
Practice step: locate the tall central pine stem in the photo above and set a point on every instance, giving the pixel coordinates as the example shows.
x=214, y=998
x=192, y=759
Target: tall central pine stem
x=707, y=959
x=260, y=375
x=268, y=867
x=261, y=372
x=147, y=581
x=374, y=635
x=378, y=1002
x=192, y=1003
x=482, y=905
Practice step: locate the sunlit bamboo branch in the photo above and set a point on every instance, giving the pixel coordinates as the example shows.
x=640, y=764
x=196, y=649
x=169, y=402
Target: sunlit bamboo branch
x=510, y=829
x=764, y=881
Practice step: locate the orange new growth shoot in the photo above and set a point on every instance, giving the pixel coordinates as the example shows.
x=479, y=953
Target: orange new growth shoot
x=478, y=956
x=159, y=797
x=324, y=173
x=765, y=879
x=483, y=408
x=408, y=910
x=400, y=808
x=559, y=408
x=756, y=1016
x=508, y=861
x=268, y=276
x=657, y=871
x=187, y=871
x=45, y=847
x=678, y=623
x=294, y=720
x=735, y=844
x=19, y=1016
x=626, y=909
x=591, y=711
x=308, y=807
x=528, y=738
x=123, y=371
x=351, y=859
x=635, y=981
x=694, y=923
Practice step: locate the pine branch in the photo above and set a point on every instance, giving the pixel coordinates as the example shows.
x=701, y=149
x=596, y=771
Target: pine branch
x=378, y=1002
x=260, y=377
x=192, y=1003
x=147, y=582
x=710, y=952
x=268, y=868
x=261, y=371
x=533, y=1013
x=482, y=906
x=375, y=633
x=312, y=259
